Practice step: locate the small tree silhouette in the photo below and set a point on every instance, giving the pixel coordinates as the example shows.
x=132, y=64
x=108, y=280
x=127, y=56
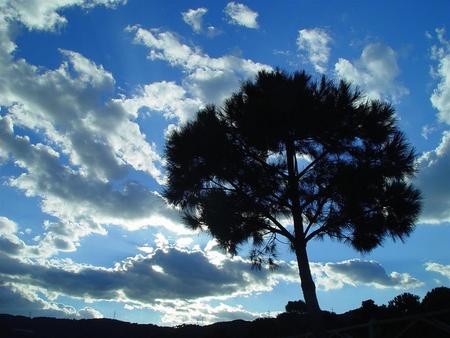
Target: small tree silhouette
x=406, y=303
x=437, y=299
x=296, y=306
x=368, y=307
x=283, y=146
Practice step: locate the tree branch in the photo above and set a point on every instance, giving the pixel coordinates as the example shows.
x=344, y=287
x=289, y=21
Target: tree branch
x=310, y=165
x=267, y=166
x=282, y=230
x=316, y=215
x=316, y=232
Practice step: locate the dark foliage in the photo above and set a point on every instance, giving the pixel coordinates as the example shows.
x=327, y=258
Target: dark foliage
x=406, y=303
x=437, y=299
x=297, y=306
x=369, y=309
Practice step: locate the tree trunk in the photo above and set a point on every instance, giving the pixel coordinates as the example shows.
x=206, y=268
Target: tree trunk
x=309, y=292
x=307, y=283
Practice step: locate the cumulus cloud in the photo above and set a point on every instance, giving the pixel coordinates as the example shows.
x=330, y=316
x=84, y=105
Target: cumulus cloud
x=440, y=98
x=356, y=272
x=63, y=103
x=17, y=299
x=442, y=269
x=43, y=15
x=239, y=14
x=10, y=243
x=74, y=197
x=183, y=312
x=57, y=236
x=207, y=79
x=87, y=144
x=194, y=18
x=315, y=43
x=432, y=180
x=375, y=72
x=432, y=177
x=169, y=274
x=164, y=97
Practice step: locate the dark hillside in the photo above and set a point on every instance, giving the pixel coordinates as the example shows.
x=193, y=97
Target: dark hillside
x=404, y=317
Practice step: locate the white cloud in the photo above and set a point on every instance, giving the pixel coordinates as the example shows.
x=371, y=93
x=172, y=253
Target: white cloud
x=182, y=284
x=194, y=18
x=241, y=15
x=161, y=241
x=10, y=243
x=165, y=97
x=440, y=97
x=166, y=274
x=19, y=299
x=76, y=198
x=198, y=312
x=89, y=141
x=43, y=14
x=170, y=274
x=432, y=180
x=357, y=272
x=57, y=236
x=315, y=42
x=63, y=103
x=375, y=72
x=212, y=243
x=7, y=226
x=207, y=79
x=432, y=177
x=184, y=242
x=442, y=269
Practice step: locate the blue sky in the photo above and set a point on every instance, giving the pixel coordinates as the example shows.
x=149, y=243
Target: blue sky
x=89, y=91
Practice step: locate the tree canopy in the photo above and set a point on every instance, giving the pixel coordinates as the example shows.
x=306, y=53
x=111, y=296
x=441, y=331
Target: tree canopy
x=285, y=149
x=406, y=303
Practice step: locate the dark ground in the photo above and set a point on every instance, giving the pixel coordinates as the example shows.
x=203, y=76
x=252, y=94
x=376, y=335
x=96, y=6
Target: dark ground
x=285, y=325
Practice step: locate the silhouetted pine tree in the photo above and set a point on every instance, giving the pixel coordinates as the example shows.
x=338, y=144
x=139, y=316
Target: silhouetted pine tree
x=319, y=154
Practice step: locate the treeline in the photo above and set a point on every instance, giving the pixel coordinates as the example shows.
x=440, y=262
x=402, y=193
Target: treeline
x=407, y=313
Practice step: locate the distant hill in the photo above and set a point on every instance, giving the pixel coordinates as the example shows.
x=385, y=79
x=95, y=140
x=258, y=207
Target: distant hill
x=287, y=325
x=431, y=318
